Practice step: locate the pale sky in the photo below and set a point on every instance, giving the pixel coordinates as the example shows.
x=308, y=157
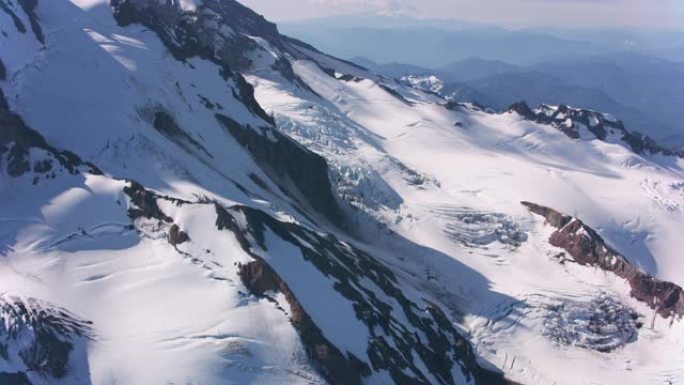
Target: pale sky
x=665, y=14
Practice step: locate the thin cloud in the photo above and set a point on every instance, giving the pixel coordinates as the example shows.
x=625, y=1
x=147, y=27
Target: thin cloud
x=377, y=6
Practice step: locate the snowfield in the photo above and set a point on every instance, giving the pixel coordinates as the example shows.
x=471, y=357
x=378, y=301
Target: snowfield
x=158, y=227
x=489, y=163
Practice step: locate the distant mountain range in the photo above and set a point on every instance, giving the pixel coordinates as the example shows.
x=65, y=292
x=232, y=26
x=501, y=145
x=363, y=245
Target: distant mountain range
x=645, y=92
x=436, y=43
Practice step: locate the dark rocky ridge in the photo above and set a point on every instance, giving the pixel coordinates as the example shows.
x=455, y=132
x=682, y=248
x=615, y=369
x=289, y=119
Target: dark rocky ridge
x=198, y=34
x=221, y=31
x=47, y=336
x=259, y=278
x=17, y=139
x=3, y=71
x=206, y=33
x=187, y=33
x=18, y=24
x=18, y=378
x=393, y=345
x=218, y=30
x=288, y=163
x=29, y=7
x=598, y=124
x=587, y=248
x=357, y=277
x=145, y=203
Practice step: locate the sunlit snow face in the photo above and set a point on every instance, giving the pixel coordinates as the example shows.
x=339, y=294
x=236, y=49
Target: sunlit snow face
x=189, y=4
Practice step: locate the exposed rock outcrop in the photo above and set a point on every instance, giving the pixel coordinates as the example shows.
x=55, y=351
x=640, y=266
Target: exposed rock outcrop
x=38, y=337
x=17, y=140
x=16, y=378
x=414, y=343
x=575, y=123
x=193, y=32
x=394, y=345
x=587, y=248
x=177, y=236
x=3, y=71
x=218, y=31
x=144, y=203
x=259, y=278
x=144, y=206
x=18, y=24
x=29, y=7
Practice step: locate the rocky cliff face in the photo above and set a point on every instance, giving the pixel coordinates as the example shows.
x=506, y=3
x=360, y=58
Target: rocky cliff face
x=215, y=30
x=224, y=32
x=587, y=248
x=293, y=166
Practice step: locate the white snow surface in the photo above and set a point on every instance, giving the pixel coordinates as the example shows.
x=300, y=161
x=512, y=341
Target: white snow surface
x=161, y=315
x=417, y=174
x=417, y=186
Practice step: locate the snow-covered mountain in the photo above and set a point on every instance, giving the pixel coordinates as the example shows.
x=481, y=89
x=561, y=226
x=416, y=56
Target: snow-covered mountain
x=189, y=197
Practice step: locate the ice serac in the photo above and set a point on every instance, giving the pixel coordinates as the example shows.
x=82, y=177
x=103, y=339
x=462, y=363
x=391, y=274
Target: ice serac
x=587, y=247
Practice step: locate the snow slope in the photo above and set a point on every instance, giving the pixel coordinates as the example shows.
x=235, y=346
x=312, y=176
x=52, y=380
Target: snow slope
x=452, y=179
x=150, y=203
